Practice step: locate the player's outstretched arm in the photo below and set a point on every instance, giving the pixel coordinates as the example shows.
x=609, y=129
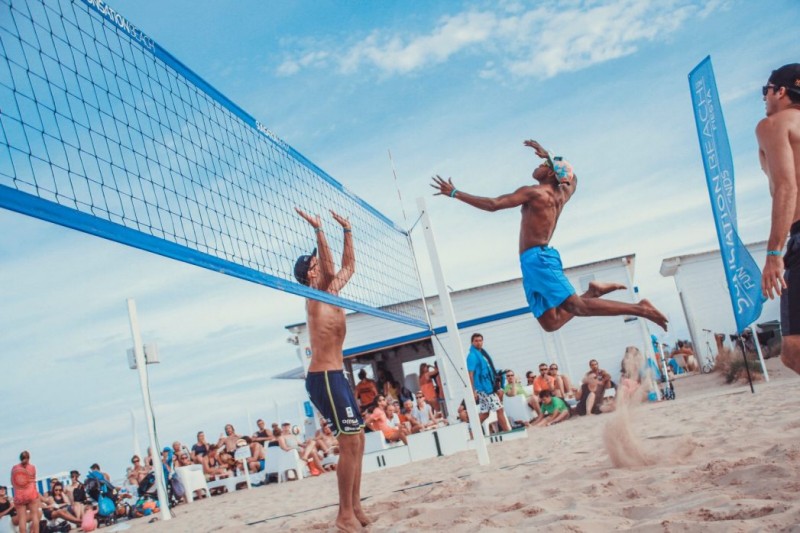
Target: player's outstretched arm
x=348, y=256
x=326, y=266
x=505, y=201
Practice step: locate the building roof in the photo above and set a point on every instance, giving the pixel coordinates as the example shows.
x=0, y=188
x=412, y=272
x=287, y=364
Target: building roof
x=670, y=265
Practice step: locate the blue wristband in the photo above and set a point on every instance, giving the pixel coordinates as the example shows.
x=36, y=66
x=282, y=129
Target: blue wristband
x=453, y=194
x=348, y=230
x=774, y=252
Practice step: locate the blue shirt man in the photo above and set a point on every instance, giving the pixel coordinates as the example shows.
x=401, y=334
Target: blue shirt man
x=482, y=377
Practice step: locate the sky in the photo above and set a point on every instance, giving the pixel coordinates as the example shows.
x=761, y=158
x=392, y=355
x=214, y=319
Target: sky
x=451, y=88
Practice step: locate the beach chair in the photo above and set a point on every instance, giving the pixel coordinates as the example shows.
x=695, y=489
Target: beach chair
x=517, y=408
x=289, y=461
x=193, y=479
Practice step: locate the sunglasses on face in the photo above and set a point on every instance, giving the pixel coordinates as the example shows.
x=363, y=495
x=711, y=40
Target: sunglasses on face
x=765, y=89
x=542, y=370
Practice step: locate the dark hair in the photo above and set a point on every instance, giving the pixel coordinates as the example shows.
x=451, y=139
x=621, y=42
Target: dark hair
x=475, y=336
x=24, y=455
x=74, y=473
x=788, y=77
x=134, y=457
x=95, y=467
x=200, y=433
x=545, y=394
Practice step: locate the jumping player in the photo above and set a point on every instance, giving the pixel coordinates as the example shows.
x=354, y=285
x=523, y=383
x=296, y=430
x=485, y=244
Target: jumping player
x=326, y=384
x=550, y=296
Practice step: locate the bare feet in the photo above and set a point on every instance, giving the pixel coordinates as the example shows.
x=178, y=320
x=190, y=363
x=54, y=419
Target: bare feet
x=347, y=524
x=601, y=288
x=653, y=314
x=361, y=516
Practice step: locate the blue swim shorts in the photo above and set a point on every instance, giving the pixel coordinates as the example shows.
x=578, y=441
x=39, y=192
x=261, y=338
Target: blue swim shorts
x=332, y=396
x=543, y=279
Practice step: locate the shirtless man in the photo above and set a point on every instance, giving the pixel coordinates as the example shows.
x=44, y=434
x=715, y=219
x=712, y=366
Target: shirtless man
x=550, y=296
x=779, y=152
x=326, y=383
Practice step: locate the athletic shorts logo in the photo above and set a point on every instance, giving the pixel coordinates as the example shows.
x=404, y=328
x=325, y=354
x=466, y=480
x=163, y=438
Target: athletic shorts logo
x=349, y=411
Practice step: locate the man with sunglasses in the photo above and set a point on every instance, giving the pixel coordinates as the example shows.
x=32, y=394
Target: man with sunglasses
x=515, y=388
x=551, y=297
x=779, y=153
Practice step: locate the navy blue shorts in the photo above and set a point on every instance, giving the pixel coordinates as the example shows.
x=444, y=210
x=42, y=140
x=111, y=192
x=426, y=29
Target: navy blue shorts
x=332, y=396
x=790, y=297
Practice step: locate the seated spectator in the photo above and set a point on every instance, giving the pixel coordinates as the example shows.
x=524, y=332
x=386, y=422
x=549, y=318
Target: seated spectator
x=366, y=391
x=554, y=410
x=96, y=468
x=423, y=414
x=7, y=506
x=590, y=396
x=263, y=435
x=276, y=433
x=543, y=382
x=685, y=351
x=136, y=472
x=412, y=424
x=463, y=416
x=178, y=449
x=258, y=459
x=607, y=402
x=288, y=441
x=515, y=388
x=75, y=490
x=326, y=442
x=183, y=459
x=200, y=448
x=55, y=505
x=562, y=383
x=594, y=369
x=229, y=439
x=212, y=467
x=377, y=421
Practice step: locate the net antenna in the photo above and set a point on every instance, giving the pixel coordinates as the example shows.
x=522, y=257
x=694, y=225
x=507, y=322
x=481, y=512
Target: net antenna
x=104, y=131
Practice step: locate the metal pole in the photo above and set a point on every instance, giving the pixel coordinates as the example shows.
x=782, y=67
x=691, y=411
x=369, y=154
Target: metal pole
x=155, y=456
x=746, y=365
x=455, y=339
x=760, y=354
x=648, y=343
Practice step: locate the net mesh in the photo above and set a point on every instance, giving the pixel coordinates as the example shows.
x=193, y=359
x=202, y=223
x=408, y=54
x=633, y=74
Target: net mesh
x=99, y=119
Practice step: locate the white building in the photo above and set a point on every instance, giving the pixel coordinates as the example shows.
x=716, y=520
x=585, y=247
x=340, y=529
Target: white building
x=703, y=290
x=512, y=335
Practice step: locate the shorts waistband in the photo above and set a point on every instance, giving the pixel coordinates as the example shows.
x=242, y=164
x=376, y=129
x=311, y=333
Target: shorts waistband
x=325, y=372
x=795, y=228
x=537, y=248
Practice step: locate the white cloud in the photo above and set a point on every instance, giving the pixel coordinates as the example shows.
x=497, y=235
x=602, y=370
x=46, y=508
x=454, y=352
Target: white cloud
x=540, y=42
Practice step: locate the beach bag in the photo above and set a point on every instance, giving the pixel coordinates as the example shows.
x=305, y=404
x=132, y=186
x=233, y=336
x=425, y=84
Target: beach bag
x=88, y=523
x=177, y=487
x=105, y=506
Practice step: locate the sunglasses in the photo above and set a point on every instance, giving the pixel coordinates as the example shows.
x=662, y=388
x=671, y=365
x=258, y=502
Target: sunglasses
x=765, y=89
x=553, y=368
x=542, y=370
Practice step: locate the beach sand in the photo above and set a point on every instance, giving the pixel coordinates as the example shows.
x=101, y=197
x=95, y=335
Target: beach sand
x=718, y=459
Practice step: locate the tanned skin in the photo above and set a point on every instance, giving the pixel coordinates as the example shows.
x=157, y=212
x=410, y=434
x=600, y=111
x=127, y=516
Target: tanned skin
x=327, y=328
x=779, y=153
x=541, y=206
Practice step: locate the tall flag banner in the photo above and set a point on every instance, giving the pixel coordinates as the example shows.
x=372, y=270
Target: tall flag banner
x=741, y=271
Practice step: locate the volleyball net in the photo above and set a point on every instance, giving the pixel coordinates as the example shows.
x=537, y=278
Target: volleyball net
x=104, y=131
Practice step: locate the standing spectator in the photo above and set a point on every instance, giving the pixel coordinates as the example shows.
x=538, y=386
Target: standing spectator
x=543, y=382
x=482, y=376
x=26, y=497
x=366, y=391
x=515, y=388
x=427, y=373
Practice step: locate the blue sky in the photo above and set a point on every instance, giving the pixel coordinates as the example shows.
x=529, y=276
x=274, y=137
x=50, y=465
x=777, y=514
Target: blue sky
x=451, y=88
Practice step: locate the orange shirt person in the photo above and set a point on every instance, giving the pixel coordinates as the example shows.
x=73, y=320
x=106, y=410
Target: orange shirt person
x=544, y=381
x=366, y=390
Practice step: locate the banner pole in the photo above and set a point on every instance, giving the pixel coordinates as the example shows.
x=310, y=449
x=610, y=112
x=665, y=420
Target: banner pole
x=746, y=365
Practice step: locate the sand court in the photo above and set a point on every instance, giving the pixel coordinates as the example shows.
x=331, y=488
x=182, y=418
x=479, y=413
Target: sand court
x=723, y=459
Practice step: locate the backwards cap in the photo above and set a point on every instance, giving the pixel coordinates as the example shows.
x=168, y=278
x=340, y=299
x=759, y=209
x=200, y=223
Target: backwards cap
x=562, y=168
x=301, y=267
x=787, y=76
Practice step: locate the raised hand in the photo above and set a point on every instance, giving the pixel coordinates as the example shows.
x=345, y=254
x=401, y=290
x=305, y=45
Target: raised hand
x=540, y=151
x=345, y=223
x=314, y=220
x=445, y=188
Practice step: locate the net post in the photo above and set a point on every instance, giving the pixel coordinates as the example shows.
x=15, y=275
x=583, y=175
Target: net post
x=760, y=354
x=452, y=328
x=155, y=454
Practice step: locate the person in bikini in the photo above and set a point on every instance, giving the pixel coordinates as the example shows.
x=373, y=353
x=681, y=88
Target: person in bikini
x=326, y=383
x=26, y=496
x=550, y=296
x=779, y=154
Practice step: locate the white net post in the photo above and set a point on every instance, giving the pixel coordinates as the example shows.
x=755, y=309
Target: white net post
x=459, y=359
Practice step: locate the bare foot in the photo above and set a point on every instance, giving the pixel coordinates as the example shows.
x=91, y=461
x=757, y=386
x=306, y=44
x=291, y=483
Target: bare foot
x=347, y=524
x=361, y=516
x=653, y=314
x=600, y=288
